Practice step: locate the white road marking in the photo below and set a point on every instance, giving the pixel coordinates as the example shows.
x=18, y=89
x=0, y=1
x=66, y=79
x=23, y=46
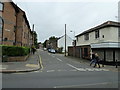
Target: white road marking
x=73, y=66
x=50, y=70
x=87, y=69
x=59, y=59
x=105, y=69
x=73, y=70
x=62, y=70
x=82, y=69
x=1, y=67
x=69, y=86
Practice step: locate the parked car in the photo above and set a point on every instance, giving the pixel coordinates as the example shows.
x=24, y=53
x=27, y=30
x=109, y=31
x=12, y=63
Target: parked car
x=44, y=49
x=49, y=50
x=52, y=51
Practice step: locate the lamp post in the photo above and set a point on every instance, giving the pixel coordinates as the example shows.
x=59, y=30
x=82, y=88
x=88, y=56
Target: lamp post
x=74, y=34
x=74, y=44
x=116, y=18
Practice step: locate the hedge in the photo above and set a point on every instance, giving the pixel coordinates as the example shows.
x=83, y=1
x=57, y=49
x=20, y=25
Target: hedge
x=15, y=51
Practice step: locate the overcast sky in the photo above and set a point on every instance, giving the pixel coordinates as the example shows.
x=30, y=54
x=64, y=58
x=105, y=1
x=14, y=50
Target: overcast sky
x=50, y=17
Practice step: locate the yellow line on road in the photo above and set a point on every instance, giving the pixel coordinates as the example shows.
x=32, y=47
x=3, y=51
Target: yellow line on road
x=41, y=62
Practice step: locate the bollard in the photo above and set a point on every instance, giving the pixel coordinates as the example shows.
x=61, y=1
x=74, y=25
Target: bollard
x=116, y=63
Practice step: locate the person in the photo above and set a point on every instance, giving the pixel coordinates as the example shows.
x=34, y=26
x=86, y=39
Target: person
x=33, y=50
x=97, y=60
x=92, y=58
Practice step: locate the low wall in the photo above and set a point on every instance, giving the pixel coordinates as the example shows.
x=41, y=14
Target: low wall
x=18, y=58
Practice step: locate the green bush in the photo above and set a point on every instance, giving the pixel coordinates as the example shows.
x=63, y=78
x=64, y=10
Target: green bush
x=15, y=51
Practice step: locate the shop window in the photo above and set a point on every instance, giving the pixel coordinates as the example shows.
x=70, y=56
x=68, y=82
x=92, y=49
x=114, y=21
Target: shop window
x=86, y=52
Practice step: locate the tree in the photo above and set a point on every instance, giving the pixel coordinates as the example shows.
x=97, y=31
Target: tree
x=52, y=38
x=34, y=34
x=44, y=44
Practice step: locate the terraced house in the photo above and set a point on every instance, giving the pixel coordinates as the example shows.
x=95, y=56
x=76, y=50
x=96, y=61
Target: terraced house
x=103, y=39
x=14, y=26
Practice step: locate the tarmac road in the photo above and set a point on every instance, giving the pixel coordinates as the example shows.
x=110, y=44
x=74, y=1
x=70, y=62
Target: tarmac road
x=62, y=72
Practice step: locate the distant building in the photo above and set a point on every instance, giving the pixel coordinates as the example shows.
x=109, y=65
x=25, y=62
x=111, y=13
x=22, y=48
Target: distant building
x=51, y=43
x=103, y=39
x=61, y=42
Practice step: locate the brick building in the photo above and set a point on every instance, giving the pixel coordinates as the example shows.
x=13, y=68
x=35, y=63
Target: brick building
x=14, y=26
x=8, y=23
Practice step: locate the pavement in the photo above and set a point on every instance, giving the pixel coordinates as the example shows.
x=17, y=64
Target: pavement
x=87, y=63
x=33, y=63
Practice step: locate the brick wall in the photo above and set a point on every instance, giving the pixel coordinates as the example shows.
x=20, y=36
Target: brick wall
x=9, y=18
x=19, y=28
x=16, y=29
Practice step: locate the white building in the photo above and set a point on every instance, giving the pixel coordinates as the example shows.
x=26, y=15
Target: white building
x=103, y=39
x=61, y=42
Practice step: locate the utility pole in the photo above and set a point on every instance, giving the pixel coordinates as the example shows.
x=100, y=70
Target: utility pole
x=33, y=28
x=65, y=39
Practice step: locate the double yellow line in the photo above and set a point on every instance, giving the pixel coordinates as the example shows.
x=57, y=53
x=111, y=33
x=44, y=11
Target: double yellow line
x=40, y=62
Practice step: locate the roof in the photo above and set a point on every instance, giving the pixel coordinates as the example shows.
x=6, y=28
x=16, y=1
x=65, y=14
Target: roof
x=63, y=36
x=106, y=24
x=15, y=6
x=17, y=9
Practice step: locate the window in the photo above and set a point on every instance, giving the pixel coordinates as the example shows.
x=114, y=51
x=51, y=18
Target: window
x=97, y=34
x=86, y=36
x=5, y=39
x=119, y=32
x=1, y=6
x=15, y=28
x=86, y=52
x=77, y=39
x=103, y=36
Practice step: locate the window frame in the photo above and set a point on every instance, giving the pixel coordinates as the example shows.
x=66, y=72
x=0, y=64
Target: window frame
x=86, y=36
x=119, y=32
x=1, y=9
x=97, y=34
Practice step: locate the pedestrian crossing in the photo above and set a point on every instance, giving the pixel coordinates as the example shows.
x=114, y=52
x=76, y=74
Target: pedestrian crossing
x=71, y=70
x=1, y=67
x=74, y=70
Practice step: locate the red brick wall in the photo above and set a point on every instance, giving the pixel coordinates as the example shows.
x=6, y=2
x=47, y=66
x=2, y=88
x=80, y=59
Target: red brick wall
x=9, y=23
x=19, y=28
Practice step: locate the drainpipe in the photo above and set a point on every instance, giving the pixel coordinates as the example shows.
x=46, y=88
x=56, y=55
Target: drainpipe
x=2, y=31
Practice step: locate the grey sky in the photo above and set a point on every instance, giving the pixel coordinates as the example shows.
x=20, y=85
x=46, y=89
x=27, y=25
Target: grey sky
x=50, y=17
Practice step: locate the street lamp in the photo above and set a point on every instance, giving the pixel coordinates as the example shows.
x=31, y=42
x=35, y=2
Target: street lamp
x=74, y=34
x=116, y=18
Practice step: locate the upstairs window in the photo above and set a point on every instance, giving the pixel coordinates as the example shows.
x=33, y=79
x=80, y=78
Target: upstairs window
x=1, y=6
x=77, y=39
x=119, y=32
x=86, y=36
x=97, y=34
